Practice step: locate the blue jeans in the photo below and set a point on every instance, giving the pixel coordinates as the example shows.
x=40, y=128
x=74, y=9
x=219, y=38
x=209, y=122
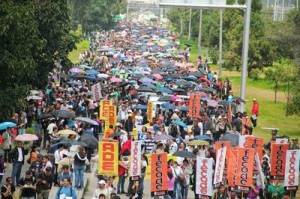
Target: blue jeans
x=79, y=171
x=185, y=191
x=16, y=172
x=141, y=182
x=121, y=182
x=177, y=189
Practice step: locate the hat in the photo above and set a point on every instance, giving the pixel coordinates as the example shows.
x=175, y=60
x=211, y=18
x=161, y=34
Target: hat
x=119, y=124
x=208, y=132
x=129, y=115
x=129, y=111
x=230, y=91
x=254, y=99
x=189, y=131
x=176, y=110
x=102, y=182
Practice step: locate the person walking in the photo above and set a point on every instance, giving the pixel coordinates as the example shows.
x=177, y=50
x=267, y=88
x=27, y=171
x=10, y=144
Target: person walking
x=79, y=163
x=17, y=155
x=8, y=189
x=44, y=183
x=66, y=190
x=255, y=109
x=28, y=186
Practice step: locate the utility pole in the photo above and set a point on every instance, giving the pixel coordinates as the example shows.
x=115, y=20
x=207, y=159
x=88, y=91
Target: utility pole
x=200, y=33
x=190, y=24
x=220, y=43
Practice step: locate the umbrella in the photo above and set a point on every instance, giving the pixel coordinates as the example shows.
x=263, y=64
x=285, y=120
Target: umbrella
x=139, y=106
x=198, y=142
x=203, y=137
x=78, y=143
x=34, y=92
x=239, y=99
x=54, y=147
x=225, y=103
x=163, y=137
x=85, y=67
x=124, y=84
x=202, y=79
x=87, y=120
x=209, y=90
x=103, y=75
x=114, y=79
x=144, y=89
x=189, y=78
x=90, y=140
x=165, y=90
x=63, y=114
x=233, y=139
x=158, y=76
x=6, y=125
x=92, y=72
x=193, y=69
x=66, y=132
x=34, y=97
x=196, y=74
x=178, y=90
x=182, y=82
x=146, y=80
x=184, y=154
x=188, y=45
x=212, y=103
x=45, y=115
x=180, y=123
x=168, y=106
x=26, y=137
x=166, y=99
x=116, y=134
x=182, y=108
x=76, y=70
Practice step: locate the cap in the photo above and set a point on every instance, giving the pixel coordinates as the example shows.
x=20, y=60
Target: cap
x=102, y=182
x=189, y=131
x=129, y=115
x=230, y=91
x=208, y=132
x=254, y=99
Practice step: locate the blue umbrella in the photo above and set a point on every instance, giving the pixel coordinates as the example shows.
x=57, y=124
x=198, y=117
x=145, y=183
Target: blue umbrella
x=168, y=106
x=139, y=106
x=84, y=67
x=165, y=90
x=146, y=80
x=149, y=85
x=53, y=148
x=6, y=125
x=203, y=137
x=92, y=72
x=182, y=108
x=180, y=123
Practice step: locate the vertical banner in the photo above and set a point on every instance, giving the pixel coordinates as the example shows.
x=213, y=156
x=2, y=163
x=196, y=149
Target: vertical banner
x=159, y=178
x=278, y=156
x=291, y=176
x=149, y=112
x=244, y=171
x=221, y=144
x=108, y=162
x=260, y=171
x=112, y=116
x=195, y=105
x=256, y=143
x=204, y=177
x=220, y=165
x=104, y=109
x=232, y=165
x=96, y=92
x=135, y=159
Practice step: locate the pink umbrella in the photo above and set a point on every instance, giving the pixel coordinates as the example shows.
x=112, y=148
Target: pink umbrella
x=158, y=76
x=76, y=70
x=26, y=137
x=212, y=103
x=193, y=69
x=175, y=97
x=114, y=79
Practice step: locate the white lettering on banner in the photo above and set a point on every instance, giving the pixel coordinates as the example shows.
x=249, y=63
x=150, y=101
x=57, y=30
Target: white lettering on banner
x=204, y=176
x=135, y=159
x=260, y=172
x=221, y=154
x=96, y=91
x=292, y=168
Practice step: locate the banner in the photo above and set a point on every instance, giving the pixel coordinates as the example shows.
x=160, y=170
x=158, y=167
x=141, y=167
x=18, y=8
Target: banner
x=112, y=116
x=260, y=171
x=232, y=165
x=281, y=141
x=149, y=111
x=220, y=144
x=220, y=165
x=108, y=158
x=257, y=144
x=242, y=140
x=96, y=92
x=194, y=105
x=244, y=171
x=204, y=177
x=291, y=176
x=135, y=159
x=104, y=109
x=159, y=178
x=278, y=156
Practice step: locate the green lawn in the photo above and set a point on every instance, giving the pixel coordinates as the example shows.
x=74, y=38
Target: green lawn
x=80, y=47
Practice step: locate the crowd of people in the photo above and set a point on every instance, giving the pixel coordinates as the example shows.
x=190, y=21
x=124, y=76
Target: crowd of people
x=134, y=64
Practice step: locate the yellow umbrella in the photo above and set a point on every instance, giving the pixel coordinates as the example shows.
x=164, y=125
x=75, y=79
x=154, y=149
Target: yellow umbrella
x=198, y=142
x=66, y=132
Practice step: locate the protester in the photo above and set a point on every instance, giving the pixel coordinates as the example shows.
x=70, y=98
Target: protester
x=65, y=174
x=66, y=190
x=102, y=189
x=18, y=155
x=135, y=191
x=44, y=183
x=276, y=190
x=28, y=186
x=8, y=189
x=80, y=160
x=255, y=109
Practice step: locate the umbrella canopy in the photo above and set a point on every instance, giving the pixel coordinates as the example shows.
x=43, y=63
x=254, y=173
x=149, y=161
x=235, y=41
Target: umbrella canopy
x=66, y=132
x=87, y=120
x=79, y=143
x=76, y=70
x=92, y=72
x=239, y=99
x=114, y=80
x=166, y=99
x=209, y=90
x=198, y=143
x=203, y=137
x=63, y=114
x=139, y=106
x=146, y=80
x=178, y=90
x=6, y=125
x=144, y=89
x=45, y=115
x=116, y=134
x=184, y=154
x=26, y=137
x=168, y=106
x=163, y=137
x=54, y=147
x=158, y=76
x=233, y=139
x=182, y=108
x=180, y=123
x=165, y=90
x=225, y=104
x=90, y=140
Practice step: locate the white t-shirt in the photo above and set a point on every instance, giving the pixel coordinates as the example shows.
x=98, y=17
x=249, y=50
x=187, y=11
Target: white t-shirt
x=173, y=148
x=20, y=158
x=50, y=128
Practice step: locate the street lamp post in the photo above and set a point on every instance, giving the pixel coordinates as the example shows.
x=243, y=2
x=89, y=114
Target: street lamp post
x=190, y=24
x=200, y=33
x=220, y=44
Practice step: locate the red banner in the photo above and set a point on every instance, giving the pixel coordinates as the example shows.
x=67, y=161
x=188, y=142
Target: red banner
x=195, y=105
x=245, y=164
x=159, y=178
x=231, y=165
x=278, y=157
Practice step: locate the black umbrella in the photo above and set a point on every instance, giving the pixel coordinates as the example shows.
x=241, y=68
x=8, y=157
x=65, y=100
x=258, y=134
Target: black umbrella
x=124, y=84
x=178, y=90
x=239, y=99
x=166, y=99
x=209, y=90
x=54, y=147
x=188, y=45
x=45, y=115
x=225, y=104
x=182, y=83
x=89, y=140
x=79, y=143
x=63, y=114
x=144, y=89
x=184, y=154
x=197, y=74
x=232, y=138
x=116, y=134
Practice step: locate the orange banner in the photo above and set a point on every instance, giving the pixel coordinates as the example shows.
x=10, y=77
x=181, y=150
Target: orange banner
x=108, y=158
x=195, y=105
x=149, y=111
x=245, y=164
x=104, y=109
x=231, y=165
x=257, y=144
x=221, y=144
x=159, y=165
x=278, y=158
